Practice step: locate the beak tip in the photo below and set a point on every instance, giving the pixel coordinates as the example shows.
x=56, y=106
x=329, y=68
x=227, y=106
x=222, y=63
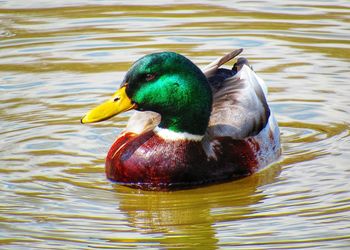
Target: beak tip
x=119, y=103
x=82, y=120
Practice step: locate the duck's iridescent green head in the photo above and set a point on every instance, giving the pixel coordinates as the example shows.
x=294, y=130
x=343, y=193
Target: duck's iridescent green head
x=169, y=84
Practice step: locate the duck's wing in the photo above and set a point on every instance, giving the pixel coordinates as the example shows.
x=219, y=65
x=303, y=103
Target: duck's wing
x=240, y=109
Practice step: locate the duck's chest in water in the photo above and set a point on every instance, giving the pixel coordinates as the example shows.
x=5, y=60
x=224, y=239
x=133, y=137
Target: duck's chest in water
x=151, y=162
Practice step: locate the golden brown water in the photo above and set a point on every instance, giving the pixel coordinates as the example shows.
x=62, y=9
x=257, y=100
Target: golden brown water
x=60, y=58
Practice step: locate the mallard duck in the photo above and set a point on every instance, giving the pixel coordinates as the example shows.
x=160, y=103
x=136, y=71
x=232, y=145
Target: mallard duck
x=191, y=127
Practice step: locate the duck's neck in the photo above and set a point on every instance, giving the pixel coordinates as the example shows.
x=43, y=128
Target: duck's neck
x=192, y=115
x=189, y=121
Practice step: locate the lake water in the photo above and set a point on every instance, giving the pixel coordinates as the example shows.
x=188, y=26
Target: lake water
x=60, y=58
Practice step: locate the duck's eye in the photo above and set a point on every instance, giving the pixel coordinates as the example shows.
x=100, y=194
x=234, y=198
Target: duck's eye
x=150, y=76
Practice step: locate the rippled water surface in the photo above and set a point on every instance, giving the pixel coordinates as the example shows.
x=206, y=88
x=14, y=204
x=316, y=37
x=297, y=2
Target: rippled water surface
x=60, y=58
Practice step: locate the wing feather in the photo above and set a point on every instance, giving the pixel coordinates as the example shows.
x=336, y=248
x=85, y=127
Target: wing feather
x=239, y=109
x=211, y=69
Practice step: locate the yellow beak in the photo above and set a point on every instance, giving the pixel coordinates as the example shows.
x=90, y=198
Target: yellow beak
x=119, y=103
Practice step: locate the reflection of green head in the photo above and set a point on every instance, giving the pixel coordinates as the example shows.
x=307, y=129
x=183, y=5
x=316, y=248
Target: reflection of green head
x=174, y=87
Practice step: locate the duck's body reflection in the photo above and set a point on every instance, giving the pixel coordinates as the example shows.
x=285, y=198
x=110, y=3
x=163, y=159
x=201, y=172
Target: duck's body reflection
x=191, y=217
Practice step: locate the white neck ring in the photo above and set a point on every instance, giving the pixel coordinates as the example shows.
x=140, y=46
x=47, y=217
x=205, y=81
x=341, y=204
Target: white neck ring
x=168, y=134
